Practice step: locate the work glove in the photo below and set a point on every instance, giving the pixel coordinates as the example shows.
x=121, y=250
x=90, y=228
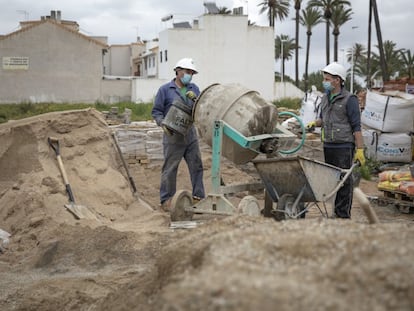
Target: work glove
x=359, y=156
x=311, y=125
x=191, y=95
x=166, y=130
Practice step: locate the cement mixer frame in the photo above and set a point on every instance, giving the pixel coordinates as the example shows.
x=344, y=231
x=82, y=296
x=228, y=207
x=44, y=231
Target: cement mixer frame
x=216, y=203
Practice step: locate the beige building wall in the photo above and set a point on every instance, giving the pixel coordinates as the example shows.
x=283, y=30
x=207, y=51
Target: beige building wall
x=47, y=62
x=114, y=91
x=118, y=60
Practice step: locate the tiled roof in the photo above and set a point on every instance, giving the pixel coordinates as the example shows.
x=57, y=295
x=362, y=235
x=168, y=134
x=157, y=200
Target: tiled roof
x=37, y=23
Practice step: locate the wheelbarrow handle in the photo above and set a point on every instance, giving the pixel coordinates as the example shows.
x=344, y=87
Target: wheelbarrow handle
x=341, y=183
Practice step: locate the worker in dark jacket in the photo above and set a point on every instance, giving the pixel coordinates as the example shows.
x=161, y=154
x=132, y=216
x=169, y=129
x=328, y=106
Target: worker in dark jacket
x=340, y=120
x=176, y=145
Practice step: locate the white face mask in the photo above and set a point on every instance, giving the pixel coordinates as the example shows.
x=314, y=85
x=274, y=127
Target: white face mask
x=327, y=86
x=186, y=78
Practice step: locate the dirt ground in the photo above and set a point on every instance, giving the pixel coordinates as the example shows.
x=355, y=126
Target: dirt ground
x=129, y=258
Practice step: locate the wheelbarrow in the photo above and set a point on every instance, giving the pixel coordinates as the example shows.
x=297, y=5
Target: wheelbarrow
x=297, y=183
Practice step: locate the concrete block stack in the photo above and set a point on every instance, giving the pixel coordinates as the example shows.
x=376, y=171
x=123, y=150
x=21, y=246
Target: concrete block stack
x=140, y=142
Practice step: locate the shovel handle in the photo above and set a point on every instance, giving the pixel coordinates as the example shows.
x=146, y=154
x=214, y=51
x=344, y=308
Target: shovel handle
x=54, y=143
x=118, y=148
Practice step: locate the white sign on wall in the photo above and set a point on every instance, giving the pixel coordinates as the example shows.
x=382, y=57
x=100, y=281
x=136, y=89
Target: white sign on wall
x=16, y=63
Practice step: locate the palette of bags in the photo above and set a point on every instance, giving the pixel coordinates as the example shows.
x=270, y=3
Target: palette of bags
x=400, y=180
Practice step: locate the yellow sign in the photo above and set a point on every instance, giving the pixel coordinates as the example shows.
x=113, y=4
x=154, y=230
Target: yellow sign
x=16, y=63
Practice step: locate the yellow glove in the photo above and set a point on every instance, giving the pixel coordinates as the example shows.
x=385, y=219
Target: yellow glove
x=167, y=130
x=311, y=125
x=359, y=156
x=191, y=95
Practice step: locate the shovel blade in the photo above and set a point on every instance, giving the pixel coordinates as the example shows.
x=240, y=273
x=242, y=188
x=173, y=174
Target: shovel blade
x=80, y=211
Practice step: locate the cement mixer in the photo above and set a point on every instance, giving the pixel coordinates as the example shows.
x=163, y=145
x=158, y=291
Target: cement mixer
x=239, y=125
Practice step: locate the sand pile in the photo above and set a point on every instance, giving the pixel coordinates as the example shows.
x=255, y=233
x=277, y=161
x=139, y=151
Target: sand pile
x=32, y=191
x=31, y=185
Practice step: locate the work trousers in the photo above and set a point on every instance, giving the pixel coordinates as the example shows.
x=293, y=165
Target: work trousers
x=342, y=158
x=177, y=147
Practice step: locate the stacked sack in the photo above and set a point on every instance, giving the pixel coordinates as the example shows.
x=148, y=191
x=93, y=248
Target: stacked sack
x=310, y=107
x=401, y=181
x=387, y=121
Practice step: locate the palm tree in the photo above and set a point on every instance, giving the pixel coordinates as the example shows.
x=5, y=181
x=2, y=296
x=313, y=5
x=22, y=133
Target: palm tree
x=310, y=18
x=297, y=20
x=392, y=58
x=327, y=6
x=408, y=63
x=340, y=15
x=276, y=9
x=360, y=53
x=357, y=56
x=287, y=52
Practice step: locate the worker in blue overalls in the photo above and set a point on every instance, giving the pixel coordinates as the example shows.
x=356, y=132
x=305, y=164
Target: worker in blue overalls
x=175, y=145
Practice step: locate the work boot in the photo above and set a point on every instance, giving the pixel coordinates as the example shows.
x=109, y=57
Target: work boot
x=196, y=199
x=166, y=205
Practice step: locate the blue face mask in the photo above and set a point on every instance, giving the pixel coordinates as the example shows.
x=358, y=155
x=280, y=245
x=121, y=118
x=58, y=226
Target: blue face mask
x=186, y=78
x=327, y=86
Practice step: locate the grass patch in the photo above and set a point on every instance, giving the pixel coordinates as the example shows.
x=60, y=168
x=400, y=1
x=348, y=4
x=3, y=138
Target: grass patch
x=290, y=103
x=139, y=112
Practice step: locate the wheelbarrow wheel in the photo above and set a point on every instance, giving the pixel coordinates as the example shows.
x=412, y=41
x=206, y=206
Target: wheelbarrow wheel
x=181, y=200
x=286, y=210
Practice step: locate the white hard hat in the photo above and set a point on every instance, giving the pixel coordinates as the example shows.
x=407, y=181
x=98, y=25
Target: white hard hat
x=186, y=63
x=335, y=69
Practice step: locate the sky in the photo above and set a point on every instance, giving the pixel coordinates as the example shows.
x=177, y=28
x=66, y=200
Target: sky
x=122, y=21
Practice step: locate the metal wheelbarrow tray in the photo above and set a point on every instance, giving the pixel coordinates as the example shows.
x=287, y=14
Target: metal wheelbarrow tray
x=292, y=181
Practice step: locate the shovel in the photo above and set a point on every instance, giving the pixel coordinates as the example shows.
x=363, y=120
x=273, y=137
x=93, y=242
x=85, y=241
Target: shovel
x=79, y=211
x=130, y=179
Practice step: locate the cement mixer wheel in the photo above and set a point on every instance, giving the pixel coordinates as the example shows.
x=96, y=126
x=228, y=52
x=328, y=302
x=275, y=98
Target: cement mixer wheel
x=181, y=200
x=285, y=209
x=249, y=205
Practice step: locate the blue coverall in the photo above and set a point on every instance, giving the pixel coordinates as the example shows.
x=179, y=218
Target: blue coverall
x=177, y=146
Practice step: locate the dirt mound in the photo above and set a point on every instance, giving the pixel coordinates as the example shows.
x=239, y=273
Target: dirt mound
x=242, y=263
x=129, y=259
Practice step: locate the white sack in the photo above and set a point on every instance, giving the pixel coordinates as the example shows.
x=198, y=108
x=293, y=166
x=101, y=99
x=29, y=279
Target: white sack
x=389, y=112
x=387, y=147
x=310, y=107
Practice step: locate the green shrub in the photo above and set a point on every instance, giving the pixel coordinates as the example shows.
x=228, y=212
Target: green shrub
x=139, y=112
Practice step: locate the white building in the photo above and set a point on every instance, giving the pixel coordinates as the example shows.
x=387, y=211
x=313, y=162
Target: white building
x=224, y=47
x=225, y=50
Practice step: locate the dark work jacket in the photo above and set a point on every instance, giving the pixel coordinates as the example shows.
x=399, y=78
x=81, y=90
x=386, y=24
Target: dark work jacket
x=336, y=124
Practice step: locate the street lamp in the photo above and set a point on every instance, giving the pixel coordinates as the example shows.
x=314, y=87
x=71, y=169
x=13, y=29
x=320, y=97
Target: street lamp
x=281, y=63
x=352, y=64
x=343, y=57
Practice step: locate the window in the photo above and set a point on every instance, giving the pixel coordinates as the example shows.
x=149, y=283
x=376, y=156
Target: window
x=166, y=57
x=160, y=56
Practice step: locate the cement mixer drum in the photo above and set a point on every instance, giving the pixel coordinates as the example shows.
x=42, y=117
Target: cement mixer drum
x=241, y=108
